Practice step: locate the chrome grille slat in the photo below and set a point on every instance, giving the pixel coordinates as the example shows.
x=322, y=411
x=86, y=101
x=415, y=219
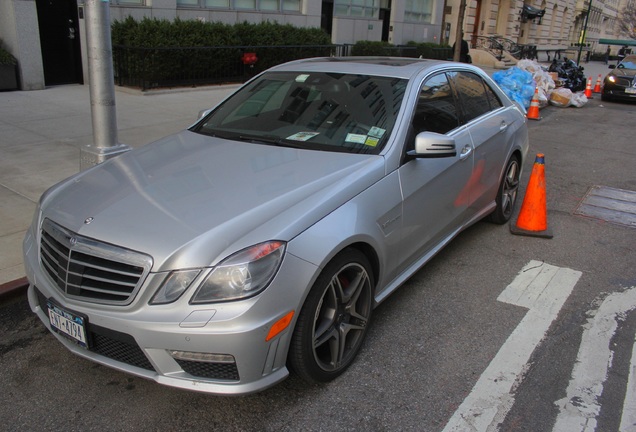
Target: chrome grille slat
x=89, y=270
x=97, y=290
x=52, y=245
x=99, y=279
x=93, y=266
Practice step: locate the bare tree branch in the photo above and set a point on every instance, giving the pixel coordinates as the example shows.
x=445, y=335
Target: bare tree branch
x=626, y=22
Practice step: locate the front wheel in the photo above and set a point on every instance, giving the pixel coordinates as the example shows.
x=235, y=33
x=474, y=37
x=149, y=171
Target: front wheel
x=507, y=194
x=334, y=319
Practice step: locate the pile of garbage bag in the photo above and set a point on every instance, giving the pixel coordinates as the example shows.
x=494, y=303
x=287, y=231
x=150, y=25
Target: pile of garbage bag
x=569, y=74
x=519, y=83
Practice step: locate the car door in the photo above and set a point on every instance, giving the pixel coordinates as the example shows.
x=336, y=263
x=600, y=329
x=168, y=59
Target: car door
x=433, y=189
x=490, y=125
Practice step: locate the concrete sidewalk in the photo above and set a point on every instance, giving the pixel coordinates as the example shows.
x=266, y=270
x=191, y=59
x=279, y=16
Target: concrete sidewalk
x=42, y=132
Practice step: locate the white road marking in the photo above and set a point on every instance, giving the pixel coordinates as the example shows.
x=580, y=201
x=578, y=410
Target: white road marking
x=579, y=409
x=628, y=419
x=543, y=289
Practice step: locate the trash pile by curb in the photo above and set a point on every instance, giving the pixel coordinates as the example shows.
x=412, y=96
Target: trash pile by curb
x=519, y=83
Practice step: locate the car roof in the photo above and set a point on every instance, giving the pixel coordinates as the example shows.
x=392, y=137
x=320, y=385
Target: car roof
x=398, y=67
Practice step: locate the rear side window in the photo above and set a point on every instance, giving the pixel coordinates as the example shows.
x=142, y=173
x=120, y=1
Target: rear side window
x=494, y=100
x=436, y=109
x=475, y=96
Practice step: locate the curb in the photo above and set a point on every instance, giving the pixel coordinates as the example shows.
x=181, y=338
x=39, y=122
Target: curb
x=13, y=288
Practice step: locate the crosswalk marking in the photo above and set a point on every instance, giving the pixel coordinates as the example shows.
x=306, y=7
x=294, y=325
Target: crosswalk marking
x=543, y=289
x=628, y=420
x=579, y=409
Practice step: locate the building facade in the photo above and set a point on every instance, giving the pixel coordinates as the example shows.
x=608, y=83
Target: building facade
x=544, y=24
x=554, y=26
x=48, y=36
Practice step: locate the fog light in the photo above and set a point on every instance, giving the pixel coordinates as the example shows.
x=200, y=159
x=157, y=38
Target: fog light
x=202, y=357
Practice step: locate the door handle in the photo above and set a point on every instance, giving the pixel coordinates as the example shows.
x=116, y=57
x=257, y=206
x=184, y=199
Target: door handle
x=466, y=151
x=503, y=126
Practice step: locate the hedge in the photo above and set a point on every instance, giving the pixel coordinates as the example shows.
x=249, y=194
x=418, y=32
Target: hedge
x=146, y=50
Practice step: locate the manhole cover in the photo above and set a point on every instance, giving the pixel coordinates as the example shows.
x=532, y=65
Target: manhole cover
x=616, y=206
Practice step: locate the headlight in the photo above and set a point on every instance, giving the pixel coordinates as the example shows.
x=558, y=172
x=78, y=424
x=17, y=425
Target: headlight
x=242, y=275
x=611, y=78
x=175, y=284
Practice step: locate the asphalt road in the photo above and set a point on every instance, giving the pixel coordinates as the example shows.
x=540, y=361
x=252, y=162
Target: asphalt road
x=429, y=343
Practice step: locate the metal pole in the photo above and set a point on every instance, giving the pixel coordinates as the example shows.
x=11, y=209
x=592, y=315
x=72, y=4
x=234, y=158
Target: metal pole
x=102, y=86
x=442, y=37
x=583, y=35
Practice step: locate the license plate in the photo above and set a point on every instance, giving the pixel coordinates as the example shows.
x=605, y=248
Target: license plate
x=68, y=324
x=630, y=90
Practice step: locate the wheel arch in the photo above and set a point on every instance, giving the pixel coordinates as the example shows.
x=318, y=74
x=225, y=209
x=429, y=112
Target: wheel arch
x=371, y=254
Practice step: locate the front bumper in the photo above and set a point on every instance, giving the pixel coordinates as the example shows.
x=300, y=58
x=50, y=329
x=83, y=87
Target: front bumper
x=139, y=338
x=617, y=92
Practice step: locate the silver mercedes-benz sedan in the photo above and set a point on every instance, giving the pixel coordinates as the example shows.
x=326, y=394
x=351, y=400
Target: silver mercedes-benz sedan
x=260, y=240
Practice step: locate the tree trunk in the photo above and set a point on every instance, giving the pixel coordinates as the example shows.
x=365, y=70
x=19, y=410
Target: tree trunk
x=459, y=31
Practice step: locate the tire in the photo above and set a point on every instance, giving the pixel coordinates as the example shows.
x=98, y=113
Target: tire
x=334, y=319
x=507, y=193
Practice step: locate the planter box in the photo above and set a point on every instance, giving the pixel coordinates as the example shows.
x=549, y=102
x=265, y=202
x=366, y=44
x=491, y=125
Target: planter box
x=8, y=77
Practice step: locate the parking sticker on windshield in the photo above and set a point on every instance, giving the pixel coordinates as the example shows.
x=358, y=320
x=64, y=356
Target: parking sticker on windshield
x=372, y=141
x=356, y=138
x=302, y=136
x=302, y=77
x=376, y=132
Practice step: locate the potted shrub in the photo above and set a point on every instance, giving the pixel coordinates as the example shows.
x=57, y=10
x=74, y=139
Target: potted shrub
x=8, y=70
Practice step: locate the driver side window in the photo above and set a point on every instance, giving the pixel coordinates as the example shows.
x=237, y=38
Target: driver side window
x=436, y=109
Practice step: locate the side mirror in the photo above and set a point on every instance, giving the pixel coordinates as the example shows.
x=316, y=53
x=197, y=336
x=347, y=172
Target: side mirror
x=612, y=66
x=433, y=145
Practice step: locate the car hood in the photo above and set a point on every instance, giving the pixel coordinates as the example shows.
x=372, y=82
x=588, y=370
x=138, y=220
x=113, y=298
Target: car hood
x=190, y=200
x=625, y=73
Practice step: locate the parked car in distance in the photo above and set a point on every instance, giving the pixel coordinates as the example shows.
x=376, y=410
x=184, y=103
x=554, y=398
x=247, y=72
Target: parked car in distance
x=260, y=240
x=620, y=84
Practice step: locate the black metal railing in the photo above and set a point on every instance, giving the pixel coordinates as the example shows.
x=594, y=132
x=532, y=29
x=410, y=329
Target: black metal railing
x=149, y=68
x=497, y=45
x=490, y=44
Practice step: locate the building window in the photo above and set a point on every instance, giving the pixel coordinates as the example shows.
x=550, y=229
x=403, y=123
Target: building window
x=128, y=2
x=420, y=11
x=357, y=8
x=255, y=5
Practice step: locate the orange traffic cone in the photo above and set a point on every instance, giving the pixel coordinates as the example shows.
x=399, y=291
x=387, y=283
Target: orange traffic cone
x=597, y=87
x=533, y=111
x=588, y=88
x=533, y=217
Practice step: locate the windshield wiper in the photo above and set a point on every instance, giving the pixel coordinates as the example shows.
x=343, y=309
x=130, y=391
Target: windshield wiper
x=264, y=139
x=271, y=140
x=256, y=139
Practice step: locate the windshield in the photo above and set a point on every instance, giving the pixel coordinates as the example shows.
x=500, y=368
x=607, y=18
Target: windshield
x=313, y=110
x=628, y=63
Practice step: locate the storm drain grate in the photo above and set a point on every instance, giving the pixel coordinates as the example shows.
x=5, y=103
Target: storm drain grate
x=616, y=206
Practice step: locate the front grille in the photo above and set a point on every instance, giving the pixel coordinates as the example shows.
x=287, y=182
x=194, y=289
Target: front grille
x=625, y=82
x=91, y=270
x=115, y=345
x=222, y=371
